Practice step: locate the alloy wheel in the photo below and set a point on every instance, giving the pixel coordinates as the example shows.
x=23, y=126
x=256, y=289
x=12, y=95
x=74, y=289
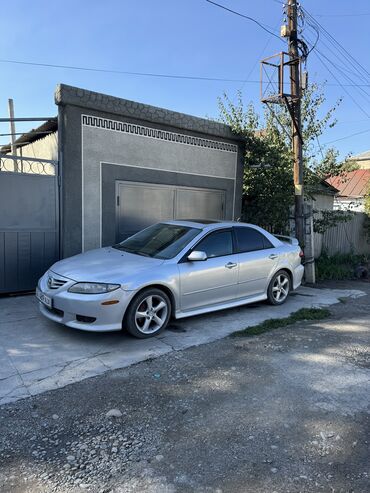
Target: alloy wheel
x=280, y=288
x=151, y=314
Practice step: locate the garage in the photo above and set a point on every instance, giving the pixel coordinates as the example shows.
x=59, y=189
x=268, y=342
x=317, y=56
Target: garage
x=141, y=204
x=126, y=165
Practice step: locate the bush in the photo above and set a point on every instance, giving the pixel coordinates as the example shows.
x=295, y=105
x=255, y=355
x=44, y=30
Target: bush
x=339, y=267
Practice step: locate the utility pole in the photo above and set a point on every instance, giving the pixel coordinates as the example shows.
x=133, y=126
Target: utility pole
x=275, y=92
x=295, y=89
x=12, y=131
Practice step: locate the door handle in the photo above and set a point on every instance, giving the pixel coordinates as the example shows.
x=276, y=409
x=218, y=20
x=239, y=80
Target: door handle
x=230, y=265
x=273, y=255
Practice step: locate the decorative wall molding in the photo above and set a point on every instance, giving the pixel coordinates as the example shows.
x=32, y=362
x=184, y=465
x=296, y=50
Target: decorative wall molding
x=154, y=133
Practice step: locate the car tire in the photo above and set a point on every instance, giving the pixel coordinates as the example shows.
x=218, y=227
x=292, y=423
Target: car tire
x=148, y=313
x=279, y=288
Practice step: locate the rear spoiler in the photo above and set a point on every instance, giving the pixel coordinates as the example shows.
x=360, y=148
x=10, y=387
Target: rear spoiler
x=287, y=239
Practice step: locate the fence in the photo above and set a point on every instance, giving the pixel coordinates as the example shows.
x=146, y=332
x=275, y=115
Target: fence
x=29, y=221
x=347, y=237
x=27, y=165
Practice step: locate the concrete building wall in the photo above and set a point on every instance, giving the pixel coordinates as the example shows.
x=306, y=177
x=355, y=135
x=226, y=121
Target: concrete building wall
x=105, y=139
x=323, y=202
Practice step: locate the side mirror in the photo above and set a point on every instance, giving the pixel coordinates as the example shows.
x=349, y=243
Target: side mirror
x=197, y=256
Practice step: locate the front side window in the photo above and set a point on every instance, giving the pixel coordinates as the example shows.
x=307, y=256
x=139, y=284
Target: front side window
x=216, y=244
x=159, y=241
x=251, y=240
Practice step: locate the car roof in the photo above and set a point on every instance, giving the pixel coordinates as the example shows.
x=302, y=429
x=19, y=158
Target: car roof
x=208, y=223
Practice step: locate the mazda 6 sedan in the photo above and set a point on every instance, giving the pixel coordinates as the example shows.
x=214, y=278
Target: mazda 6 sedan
x=171, y=269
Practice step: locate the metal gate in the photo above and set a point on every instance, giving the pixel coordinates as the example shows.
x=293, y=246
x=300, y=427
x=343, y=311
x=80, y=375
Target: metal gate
x=141, y=204
x=29, y=221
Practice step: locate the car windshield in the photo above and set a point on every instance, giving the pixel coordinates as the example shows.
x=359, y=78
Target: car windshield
x=159, y=241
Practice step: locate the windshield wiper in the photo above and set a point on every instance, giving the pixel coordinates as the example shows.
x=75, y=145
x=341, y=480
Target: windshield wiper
x=118, y=246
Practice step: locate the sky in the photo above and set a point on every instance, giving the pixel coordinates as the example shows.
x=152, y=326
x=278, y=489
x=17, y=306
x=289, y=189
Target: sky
x=181, y=37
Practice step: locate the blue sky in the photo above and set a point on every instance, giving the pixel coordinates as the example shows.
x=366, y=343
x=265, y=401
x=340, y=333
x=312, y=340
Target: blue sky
x=188, y=37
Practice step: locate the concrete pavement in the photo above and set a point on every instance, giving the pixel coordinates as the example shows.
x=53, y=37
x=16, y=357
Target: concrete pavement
x=37, y=355
x=286, y=411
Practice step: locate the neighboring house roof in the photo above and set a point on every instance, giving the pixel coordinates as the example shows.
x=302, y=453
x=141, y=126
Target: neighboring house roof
x=328, y=188
x=46, y=128
x=364, y=156
x=352, y=184
x=320, y=186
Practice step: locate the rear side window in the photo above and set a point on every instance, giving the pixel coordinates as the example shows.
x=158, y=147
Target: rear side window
x=251, y=240
x=216, y=244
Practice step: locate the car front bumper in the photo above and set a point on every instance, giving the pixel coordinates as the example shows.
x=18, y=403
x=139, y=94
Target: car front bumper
x=84, y=311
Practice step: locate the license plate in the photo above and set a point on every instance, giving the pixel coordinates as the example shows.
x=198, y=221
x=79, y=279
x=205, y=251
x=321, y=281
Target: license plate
x=46, y=300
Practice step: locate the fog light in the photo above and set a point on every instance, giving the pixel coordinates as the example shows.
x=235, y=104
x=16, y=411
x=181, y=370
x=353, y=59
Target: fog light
x=85, y=319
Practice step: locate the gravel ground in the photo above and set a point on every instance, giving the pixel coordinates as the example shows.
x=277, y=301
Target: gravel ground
x=287, y=411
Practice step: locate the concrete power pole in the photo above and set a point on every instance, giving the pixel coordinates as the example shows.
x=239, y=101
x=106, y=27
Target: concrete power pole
x=296, y=119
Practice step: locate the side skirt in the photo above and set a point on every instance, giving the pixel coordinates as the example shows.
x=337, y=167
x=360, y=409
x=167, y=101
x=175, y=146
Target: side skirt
x=221, y=306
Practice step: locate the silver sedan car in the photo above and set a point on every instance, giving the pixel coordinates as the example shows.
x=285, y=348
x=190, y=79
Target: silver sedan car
x=173, y=268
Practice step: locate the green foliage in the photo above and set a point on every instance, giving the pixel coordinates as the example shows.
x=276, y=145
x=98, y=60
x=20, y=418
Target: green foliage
x=268, y=181
x=330, y=166
x=367, y=201
x=338, y=267
x=268, y=189
x=367, y=212
x=325, y=219
x=277, y=323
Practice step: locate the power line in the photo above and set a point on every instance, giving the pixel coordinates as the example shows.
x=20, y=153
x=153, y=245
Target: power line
x=262, y=26
x=348, y=58
x=351, y=121
x=124, y=72
x=350, y=68
x=148, y=74
x=343, y=87
x=334, y=41
x=258, y=59
x=355, y=66
x=342, y=15
x=348, y=136
x=342, y=66
x=364, y=94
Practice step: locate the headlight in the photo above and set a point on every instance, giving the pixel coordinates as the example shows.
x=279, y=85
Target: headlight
x=92, y=288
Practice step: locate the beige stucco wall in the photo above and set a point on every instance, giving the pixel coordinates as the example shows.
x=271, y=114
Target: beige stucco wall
x=44, y=148
x=362, y=164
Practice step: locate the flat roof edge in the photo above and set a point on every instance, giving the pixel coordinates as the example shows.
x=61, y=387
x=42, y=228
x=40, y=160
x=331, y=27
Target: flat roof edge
x=65, y=94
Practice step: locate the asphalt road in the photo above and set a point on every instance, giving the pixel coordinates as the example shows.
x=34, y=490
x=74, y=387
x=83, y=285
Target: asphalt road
x=286, y=411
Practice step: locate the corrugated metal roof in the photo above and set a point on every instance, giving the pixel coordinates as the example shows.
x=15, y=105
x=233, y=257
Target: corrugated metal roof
x=46, y=128
x=352, y=184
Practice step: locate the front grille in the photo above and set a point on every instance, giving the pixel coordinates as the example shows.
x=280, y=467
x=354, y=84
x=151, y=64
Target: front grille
x=56, y=311
x=55, y=283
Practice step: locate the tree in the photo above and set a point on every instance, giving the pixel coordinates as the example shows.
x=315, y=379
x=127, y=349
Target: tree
x=268, y=189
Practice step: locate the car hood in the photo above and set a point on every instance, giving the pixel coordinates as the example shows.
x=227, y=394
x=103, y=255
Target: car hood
x=104, y=265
